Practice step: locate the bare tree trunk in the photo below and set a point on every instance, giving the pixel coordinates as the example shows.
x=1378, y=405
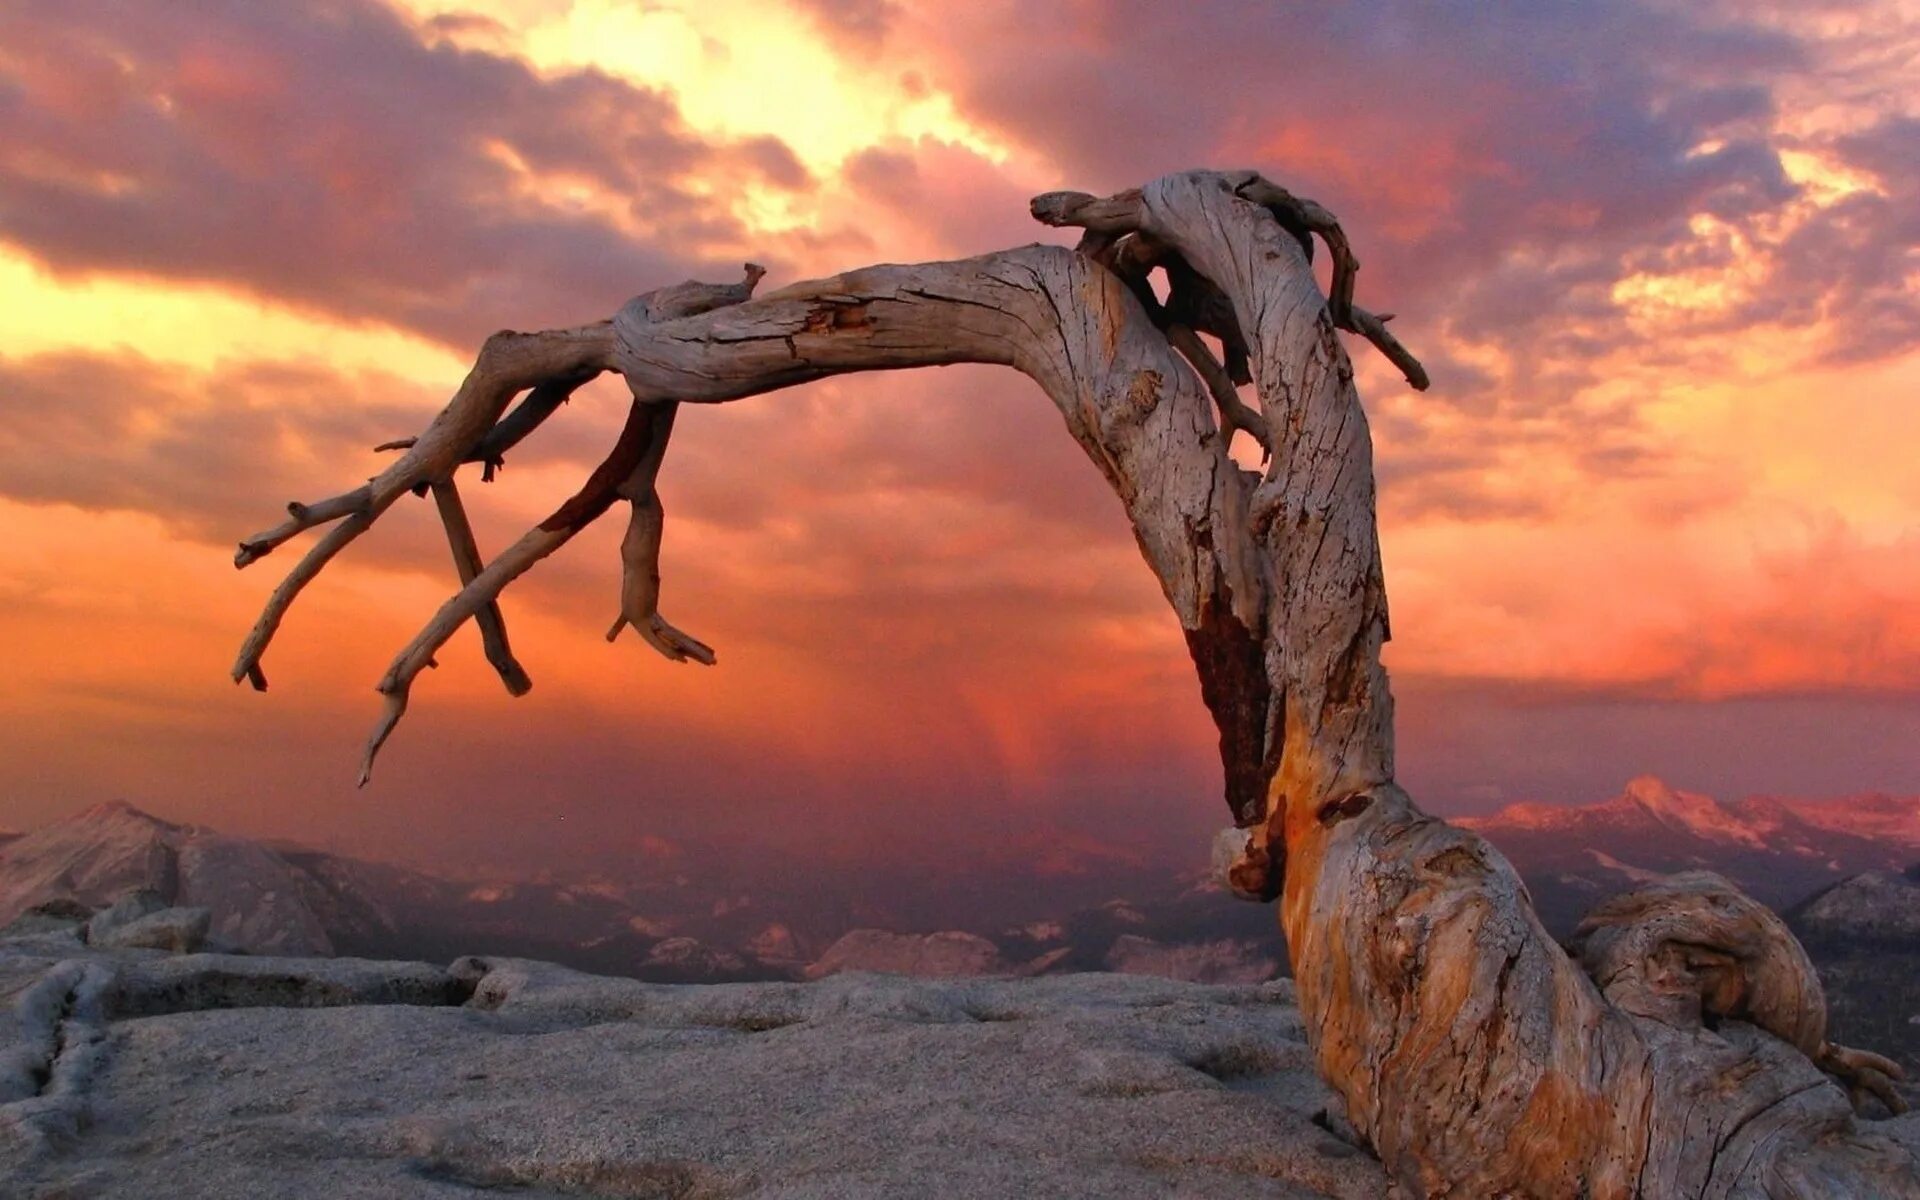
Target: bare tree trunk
x=1477, y=1056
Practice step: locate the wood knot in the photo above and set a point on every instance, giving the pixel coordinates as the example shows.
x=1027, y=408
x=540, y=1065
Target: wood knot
x=1345, y=808
x=834, y=318
x=1258, y=874
x=1143, y=394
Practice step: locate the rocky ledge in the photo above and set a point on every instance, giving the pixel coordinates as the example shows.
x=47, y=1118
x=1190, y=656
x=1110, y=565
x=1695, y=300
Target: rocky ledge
x=128, y=1070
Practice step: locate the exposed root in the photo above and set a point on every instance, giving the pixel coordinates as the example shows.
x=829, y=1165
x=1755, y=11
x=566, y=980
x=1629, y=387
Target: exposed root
x=1693, y=946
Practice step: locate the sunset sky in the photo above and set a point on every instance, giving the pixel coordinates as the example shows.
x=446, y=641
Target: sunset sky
x=1659, y=513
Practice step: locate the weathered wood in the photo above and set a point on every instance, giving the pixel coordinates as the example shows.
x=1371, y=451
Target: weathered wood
x=1472, y=1053
x=628, y=471
x=468, y=562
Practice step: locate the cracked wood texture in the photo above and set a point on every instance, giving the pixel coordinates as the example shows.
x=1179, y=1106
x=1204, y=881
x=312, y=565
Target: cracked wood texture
x=1475, y=1055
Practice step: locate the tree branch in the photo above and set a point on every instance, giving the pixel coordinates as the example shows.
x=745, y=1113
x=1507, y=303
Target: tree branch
x=467, y=561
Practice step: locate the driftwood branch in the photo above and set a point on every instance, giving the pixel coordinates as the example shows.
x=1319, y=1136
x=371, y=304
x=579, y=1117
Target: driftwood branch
x=534, y=408
x=629, y=469
x=469, y=564
x=1296, y=212
x=1679, y=1052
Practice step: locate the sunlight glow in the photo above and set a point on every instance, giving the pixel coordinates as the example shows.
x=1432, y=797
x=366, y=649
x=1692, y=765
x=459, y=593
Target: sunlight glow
x=722, y=60
x=194, y=325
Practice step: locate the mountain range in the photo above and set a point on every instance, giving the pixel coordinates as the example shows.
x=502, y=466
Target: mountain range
x=1780, y=851
x=677, y=921
x=683, y=919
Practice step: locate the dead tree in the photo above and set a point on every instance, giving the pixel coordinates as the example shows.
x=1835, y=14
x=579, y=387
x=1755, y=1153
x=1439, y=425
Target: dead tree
x=1678, y=1050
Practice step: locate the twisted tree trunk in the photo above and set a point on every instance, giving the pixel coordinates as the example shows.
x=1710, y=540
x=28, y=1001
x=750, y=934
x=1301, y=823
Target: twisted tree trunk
x=1476, y=1056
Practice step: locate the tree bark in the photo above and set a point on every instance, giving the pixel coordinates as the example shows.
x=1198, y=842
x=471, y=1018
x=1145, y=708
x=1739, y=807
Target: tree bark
x=1474, y=1054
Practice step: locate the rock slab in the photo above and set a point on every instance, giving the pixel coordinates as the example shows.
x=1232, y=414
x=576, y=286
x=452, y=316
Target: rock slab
x=294, y=1077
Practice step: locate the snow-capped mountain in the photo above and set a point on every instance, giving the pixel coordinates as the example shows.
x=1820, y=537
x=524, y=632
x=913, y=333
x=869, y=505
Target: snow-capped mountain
x=1779, y=850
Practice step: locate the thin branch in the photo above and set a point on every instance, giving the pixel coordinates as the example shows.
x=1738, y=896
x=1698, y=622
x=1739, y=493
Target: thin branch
x=467, y=560
x=507, y=364
x=1311, y=215
x=532, y=411
x=1114, y=216
x=483, y=589
x=247, y=666
x=300, y=518
x=1374, y=329
x=1300, y=212
x=640, y=555
x=1234, y=412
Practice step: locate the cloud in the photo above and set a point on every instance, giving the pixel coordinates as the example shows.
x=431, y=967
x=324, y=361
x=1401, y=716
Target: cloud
x=119, y=433
x=337, y=156
x=1547, y=194
x=1834, y=615
x=817, y=524
x=859, y=25
x=940, y=200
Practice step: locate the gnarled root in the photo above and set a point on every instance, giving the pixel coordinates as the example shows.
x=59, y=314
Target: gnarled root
x=1693, y=949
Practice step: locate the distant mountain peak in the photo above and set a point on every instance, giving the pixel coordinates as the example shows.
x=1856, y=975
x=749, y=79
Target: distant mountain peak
x=116, y=811
x=99, y=853
x=1698, y=814
x=1779, y=849
x=1651, y=791
x=1648, y=781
